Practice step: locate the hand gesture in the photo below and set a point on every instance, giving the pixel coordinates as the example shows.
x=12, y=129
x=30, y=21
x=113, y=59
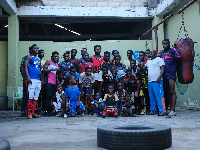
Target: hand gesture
x=158, y=80
x=168, y=54
x=29, y=81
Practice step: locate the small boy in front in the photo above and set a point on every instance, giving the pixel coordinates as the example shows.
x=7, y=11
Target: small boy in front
x=110, y=103
x=97, y=104
x=72, y=96
x=86, y=82
x=59, y=95
x=128, y=106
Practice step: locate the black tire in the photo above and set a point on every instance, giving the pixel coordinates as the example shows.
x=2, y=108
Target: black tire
x=136, y=137
x=4, y=144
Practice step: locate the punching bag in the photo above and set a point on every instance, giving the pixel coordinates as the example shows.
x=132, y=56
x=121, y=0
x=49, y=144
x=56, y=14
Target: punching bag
x=185, y=48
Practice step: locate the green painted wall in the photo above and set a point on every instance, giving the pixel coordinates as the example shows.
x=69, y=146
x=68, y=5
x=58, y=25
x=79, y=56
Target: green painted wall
x=3, y=70
x=186, y=93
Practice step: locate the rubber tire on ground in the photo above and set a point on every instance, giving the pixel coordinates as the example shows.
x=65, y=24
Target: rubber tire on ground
x=136, y=137
x=4, y=144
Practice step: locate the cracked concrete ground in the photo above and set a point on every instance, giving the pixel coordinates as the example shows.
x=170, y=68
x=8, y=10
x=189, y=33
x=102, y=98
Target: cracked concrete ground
x=50, y=133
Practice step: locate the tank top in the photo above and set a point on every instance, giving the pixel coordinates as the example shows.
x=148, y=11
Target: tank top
x=96, y=64
x=34, y=67
x=110, y=101
x=52, y=74
x=83, y=66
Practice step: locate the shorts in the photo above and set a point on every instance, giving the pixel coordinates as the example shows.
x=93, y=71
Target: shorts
x=34, y=89
x=73, y=107
x=57, y=106
x=96, y=108
x=166, y=81
x=129, y=109
x=110, y=112
x=86, y=90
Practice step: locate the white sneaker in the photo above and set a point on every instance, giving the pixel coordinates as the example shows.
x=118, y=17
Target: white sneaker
x=65, y=116
x=172, y=113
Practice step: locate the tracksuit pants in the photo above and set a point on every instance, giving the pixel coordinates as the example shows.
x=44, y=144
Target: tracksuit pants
x=156, y=94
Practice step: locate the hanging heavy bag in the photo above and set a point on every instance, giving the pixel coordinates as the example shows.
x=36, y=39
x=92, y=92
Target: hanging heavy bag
x=185, y=48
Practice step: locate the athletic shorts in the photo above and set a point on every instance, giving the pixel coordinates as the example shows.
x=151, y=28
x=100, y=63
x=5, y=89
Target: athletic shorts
x=34, y=89
x=166, y=81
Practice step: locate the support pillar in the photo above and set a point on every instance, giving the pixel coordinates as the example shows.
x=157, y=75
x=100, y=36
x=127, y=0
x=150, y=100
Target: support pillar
x=160, y=33
x=13, y=45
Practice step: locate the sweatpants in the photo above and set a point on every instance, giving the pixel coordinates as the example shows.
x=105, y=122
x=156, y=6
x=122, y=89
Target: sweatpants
x=156, y=94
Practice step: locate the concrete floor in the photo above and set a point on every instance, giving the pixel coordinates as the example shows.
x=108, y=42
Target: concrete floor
x=50, y=133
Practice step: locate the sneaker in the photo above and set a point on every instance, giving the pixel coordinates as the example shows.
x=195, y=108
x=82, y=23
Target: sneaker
x=35, y=116
x=172, y=113
x=29, y=117
x=45, y=114
x=142, y=112
x=65, y=116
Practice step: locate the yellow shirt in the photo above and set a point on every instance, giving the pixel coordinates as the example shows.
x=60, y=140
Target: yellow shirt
x=106, y=95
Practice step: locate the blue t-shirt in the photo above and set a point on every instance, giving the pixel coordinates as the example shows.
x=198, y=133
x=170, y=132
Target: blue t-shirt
x=72, y=93
x=76, y=76
x=34, y=67
x=80, y=59
x=63, y=64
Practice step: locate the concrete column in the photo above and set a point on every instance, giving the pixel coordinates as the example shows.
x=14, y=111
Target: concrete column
x=13, y=44
x=160, y=32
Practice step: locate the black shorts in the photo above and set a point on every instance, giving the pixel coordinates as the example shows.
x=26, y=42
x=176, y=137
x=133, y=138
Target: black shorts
x=166, y=81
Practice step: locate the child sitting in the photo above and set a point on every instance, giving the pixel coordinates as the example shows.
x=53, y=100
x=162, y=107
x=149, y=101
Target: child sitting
x=86, y=81
x=110, y=103
x=97, y=104
x=127, y=105
x=59, y=95
x=72, y=96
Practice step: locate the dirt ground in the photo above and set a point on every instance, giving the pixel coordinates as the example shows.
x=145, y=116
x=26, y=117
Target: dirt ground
x=50, y=133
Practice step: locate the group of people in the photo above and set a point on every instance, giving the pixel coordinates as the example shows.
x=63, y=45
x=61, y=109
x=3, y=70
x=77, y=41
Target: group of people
x=101, y=85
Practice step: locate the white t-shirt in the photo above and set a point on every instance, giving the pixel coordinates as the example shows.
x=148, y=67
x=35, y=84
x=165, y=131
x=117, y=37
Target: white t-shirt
x=58, y=96
x=86, y=80
x=100, y=75
x=154, y=68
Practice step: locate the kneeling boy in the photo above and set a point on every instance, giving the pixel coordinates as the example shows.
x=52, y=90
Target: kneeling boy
x=110, y=103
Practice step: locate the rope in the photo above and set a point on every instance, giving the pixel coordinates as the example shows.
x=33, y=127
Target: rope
x=184, y=28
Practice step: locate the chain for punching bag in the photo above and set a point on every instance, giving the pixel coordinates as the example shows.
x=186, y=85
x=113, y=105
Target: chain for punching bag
x=183, y=25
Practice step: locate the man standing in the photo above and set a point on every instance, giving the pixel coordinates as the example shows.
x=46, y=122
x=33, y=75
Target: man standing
x=96, y=59
x=25, y=88
x=33, y=73
x=156, y=68
x=50, y=67
x=170, y=56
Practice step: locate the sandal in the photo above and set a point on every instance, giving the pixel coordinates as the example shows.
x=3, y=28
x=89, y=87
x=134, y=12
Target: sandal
x=151, y=113
x=161, y=114
x=133, y=115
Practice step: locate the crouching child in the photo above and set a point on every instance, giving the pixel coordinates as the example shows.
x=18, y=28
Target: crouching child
x=128, y=106
x=72, y=97
x=97, y=104
x=60, y=101
x=110, y=103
